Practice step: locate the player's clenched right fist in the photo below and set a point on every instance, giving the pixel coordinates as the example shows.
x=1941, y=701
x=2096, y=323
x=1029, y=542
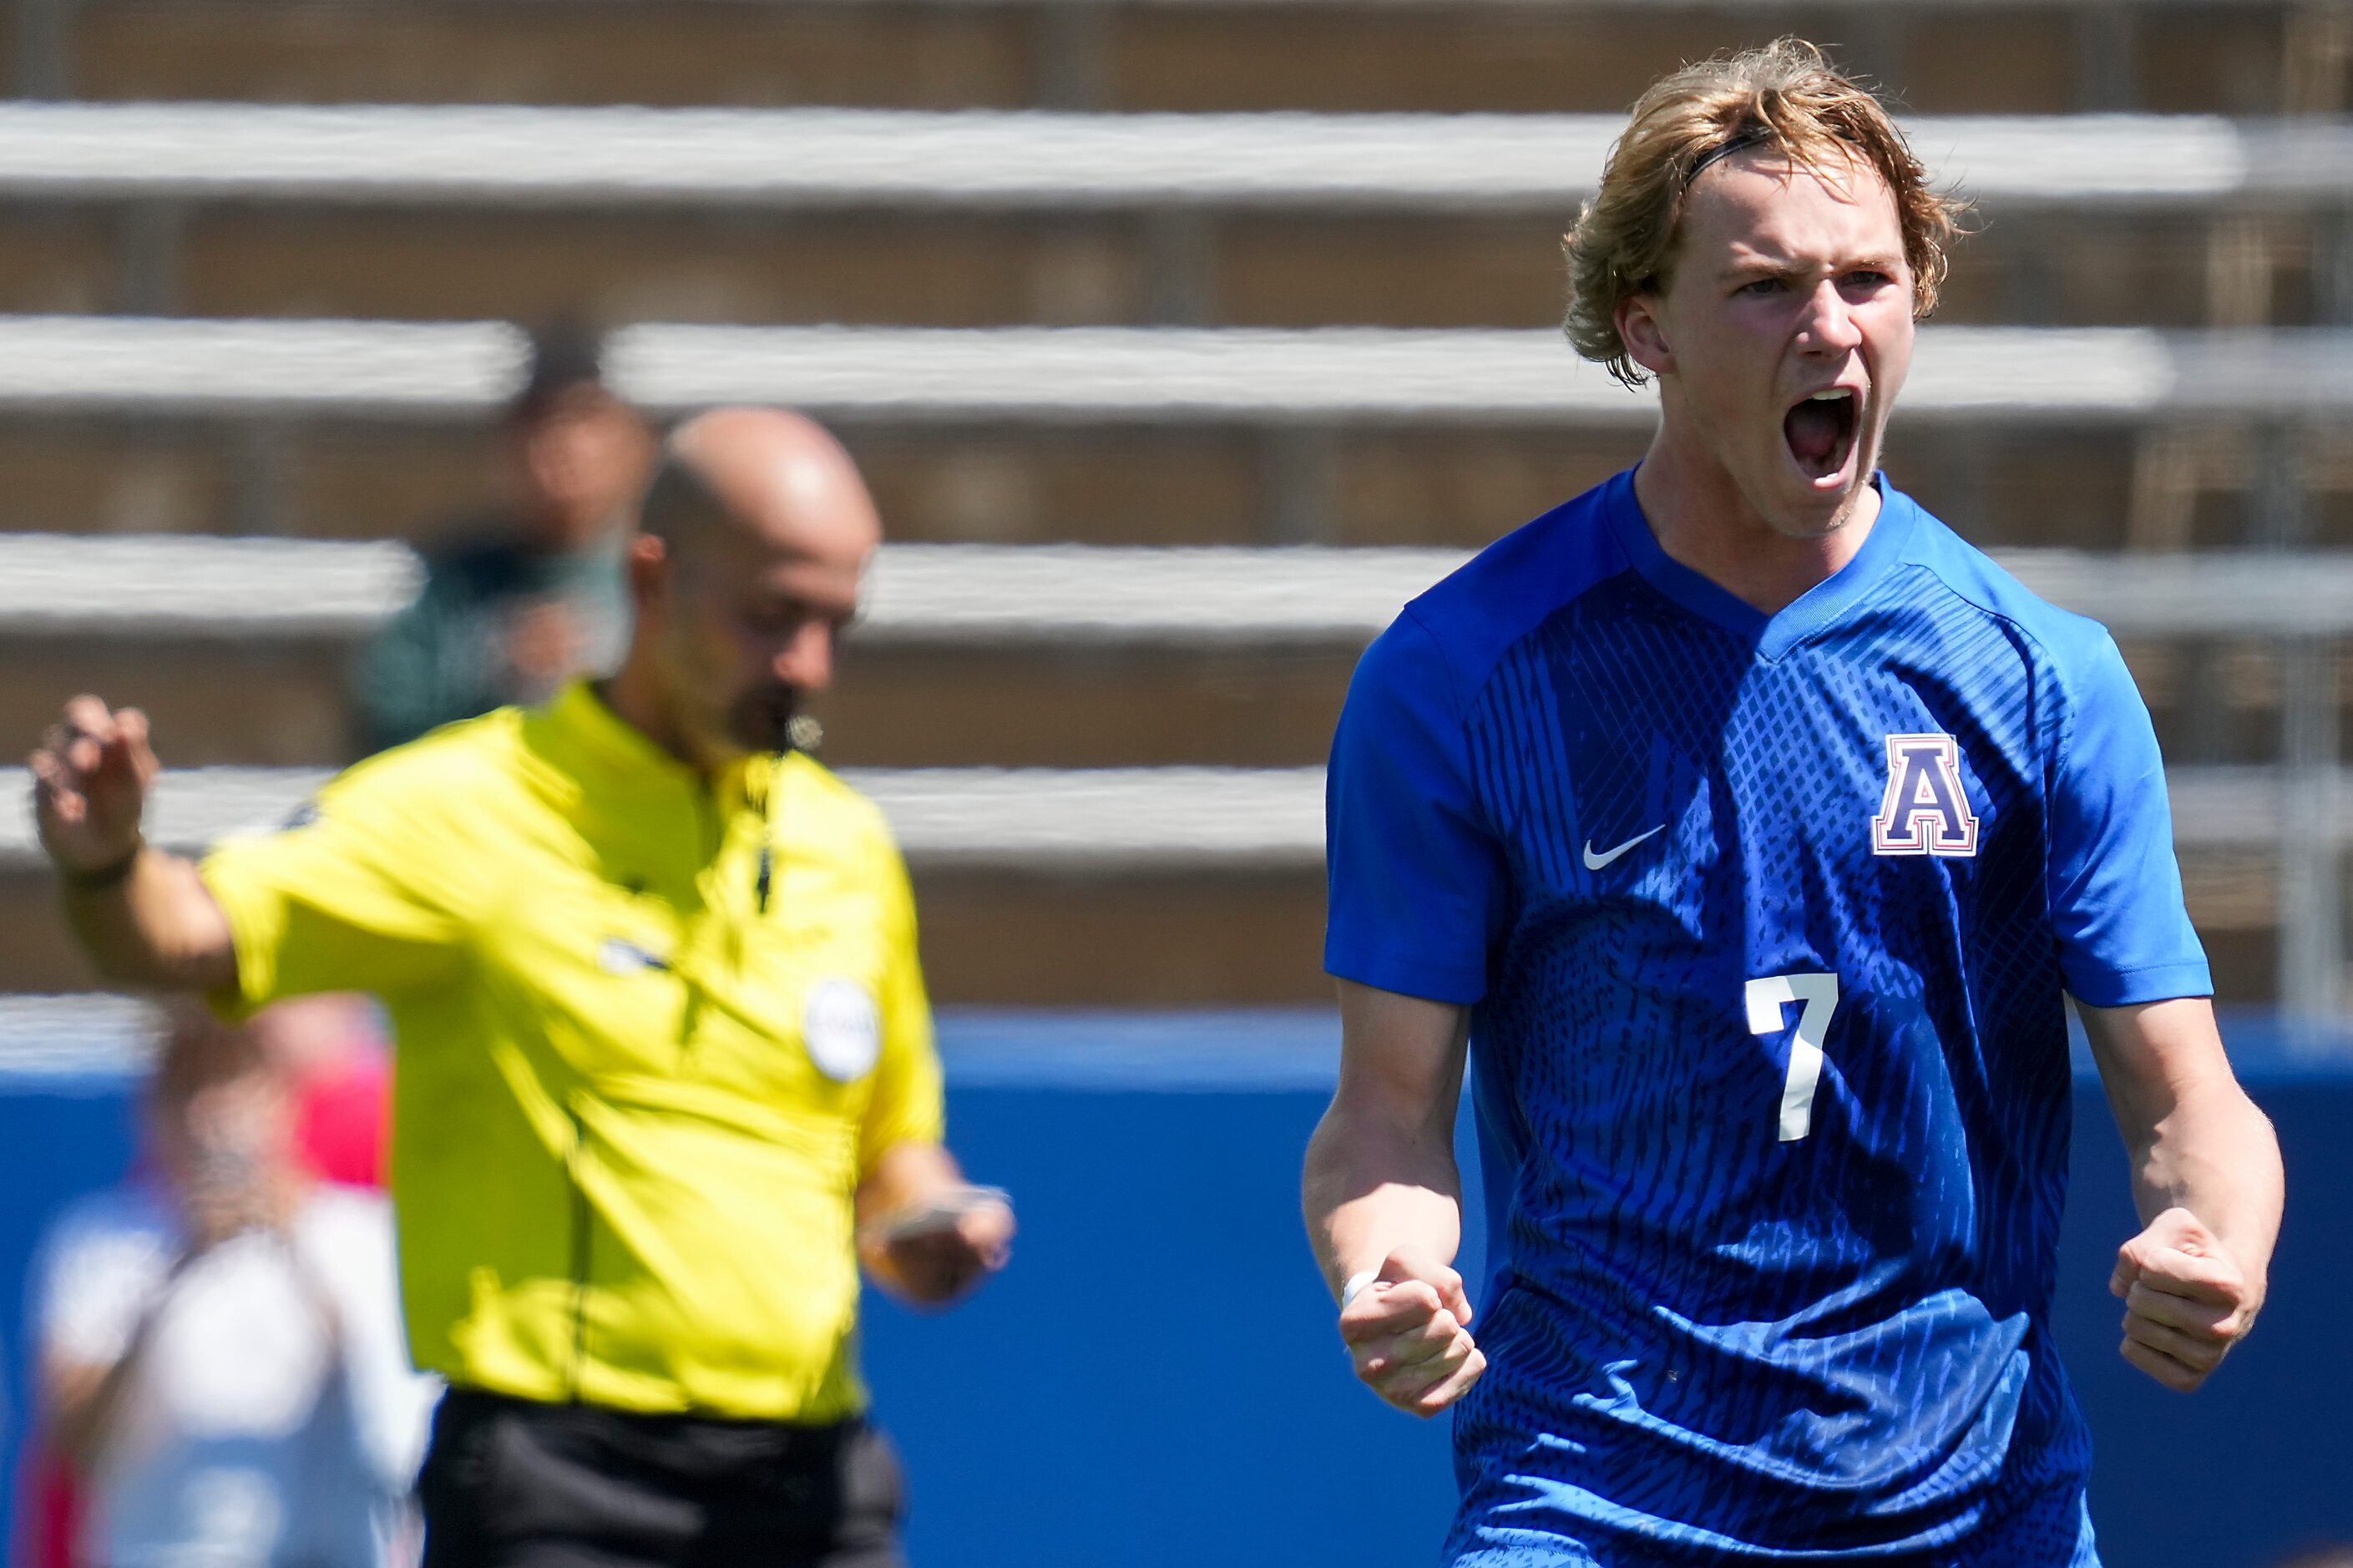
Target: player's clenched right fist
x=1408, y=1333
x=91, y=779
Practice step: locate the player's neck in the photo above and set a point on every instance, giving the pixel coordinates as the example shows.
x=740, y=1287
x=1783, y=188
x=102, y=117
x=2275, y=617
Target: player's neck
x=1703, y=521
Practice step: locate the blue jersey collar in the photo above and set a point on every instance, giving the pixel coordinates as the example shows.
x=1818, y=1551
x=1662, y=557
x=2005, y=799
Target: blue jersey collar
x=1813, y=611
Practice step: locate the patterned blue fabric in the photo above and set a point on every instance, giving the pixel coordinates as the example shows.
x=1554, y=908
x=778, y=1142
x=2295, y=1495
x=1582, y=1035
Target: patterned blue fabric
x=1766, y=922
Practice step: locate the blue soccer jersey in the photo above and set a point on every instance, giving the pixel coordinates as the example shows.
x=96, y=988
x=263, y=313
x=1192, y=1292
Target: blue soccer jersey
x=1766, y=922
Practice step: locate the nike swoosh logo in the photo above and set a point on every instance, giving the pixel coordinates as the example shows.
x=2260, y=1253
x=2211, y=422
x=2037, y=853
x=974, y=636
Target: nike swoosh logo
x=1595, y=862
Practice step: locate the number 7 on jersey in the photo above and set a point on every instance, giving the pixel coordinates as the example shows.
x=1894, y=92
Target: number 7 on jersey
x=1767, y=999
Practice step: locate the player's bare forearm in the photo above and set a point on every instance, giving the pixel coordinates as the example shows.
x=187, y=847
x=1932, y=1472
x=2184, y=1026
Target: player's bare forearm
x=2215, y=1154
x=2207, y=1180
x=157, y=927
x=1372, y=1186
x=1383, y=1199
x=1380, y=1172
x=2194, y=1139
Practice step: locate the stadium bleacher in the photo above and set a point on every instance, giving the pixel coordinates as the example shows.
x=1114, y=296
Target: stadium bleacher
x=979, y=219
x=1302, y=303
x=1056, y=220
x=983, y=219
x=2246, y=56
x=1299, y=429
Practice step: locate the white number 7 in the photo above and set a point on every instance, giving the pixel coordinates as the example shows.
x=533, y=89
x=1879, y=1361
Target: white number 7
x=1766, y=998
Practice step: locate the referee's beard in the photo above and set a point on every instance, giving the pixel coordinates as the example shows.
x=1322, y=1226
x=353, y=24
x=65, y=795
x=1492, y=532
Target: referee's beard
x=761, y=719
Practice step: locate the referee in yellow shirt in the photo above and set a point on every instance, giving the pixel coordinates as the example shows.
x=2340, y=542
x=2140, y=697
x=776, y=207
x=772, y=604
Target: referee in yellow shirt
x=666, y=1071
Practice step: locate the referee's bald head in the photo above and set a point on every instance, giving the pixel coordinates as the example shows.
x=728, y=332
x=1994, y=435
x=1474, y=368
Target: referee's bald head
x=752, y=540
x=769, y=473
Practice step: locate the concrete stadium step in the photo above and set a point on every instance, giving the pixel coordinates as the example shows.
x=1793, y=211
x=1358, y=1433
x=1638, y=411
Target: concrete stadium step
x=1024, y=656
x=873, y=218
x=2076, y=436
x=1139, y=887
x=2255, y=57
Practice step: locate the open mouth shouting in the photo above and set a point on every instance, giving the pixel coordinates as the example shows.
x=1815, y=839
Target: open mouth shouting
x=1821, y=430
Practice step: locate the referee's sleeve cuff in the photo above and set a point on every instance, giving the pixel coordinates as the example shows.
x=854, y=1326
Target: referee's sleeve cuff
x=244, y=911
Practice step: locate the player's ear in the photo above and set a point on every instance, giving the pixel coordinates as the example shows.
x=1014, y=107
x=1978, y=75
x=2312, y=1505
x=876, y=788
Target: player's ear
x=646, y=565
x=1644, y=335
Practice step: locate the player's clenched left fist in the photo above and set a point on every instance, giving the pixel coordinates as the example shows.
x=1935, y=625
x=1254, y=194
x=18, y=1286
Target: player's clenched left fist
x=2187, y=1301
x=1408, y=1333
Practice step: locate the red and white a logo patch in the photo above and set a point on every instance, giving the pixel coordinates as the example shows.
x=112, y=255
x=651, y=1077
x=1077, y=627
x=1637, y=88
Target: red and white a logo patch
x=1925, y=811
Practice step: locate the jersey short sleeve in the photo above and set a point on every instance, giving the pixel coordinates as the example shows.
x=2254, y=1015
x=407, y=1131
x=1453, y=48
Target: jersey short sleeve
x=1417, y=880
x=366, y=890
x=908, y=1102
x=2115, y=887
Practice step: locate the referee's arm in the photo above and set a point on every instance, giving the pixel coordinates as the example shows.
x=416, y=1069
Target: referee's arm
x=925, y=1234
x=143, y=915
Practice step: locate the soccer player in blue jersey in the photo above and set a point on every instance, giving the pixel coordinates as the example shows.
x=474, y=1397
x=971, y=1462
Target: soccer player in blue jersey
x=1748, y=829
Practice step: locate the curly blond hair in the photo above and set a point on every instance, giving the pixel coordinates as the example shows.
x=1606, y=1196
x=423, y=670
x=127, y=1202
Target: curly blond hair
x=1784, y=96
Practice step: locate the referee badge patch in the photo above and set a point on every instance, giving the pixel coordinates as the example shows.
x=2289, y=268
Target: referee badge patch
x=1925, y=811
x=842, y=1029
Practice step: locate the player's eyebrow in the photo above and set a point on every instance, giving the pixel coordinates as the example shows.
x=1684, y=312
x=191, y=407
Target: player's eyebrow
x=1749, y=257
x=1756, y=265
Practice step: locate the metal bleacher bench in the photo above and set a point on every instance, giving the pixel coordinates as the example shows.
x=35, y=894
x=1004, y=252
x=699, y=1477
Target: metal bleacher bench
x=390, y=370
x=2176, y=392
x=178, y=586
x=885, y=158
x=158, y=162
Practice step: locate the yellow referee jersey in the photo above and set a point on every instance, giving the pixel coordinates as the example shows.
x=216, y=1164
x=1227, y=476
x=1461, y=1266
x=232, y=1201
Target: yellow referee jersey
x=652, y=1033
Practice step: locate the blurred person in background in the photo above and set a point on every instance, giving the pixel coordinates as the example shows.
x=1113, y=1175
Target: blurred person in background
x=333, y=1052
x=667, y=1074
x=518, y=603
x=220, y=1348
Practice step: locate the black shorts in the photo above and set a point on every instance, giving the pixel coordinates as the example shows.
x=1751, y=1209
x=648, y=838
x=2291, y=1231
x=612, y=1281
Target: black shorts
x=511, y=1483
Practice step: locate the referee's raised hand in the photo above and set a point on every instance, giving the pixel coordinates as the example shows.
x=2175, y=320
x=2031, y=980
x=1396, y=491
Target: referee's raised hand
x=1408, y=1330
x=143, y=916
x=91, y=778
